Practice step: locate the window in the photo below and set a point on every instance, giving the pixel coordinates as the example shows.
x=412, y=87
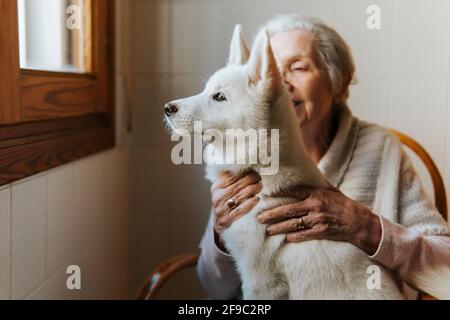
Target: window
x=56, y=83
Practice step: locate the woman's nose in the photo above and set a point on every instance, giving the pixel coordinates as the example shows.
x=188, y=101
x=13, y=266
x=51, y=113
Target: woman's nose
x=288, y=85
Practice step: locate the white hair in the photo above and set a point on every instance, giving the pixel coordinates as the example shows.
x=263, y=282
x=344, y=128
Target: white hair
x=333, y=51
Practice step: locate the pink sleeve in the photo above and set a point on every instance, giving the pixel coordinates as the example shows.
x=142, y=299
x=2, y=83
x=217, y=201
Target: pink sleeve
x=407, y=251
x=216, y=269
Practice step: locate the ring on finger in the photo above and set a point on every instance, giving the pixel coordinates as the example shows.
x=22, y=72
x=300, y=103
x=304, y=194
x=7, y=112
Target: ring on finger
x=300, y=224
x=232, y=203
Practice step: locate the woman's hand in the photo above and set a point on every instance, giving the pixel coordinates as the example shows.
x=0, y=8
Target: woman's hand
x=326, y=214
x=243, y=192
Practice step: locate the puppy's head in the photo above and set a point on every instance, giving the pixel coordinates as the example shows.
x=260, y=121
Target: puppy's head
x=237, y=96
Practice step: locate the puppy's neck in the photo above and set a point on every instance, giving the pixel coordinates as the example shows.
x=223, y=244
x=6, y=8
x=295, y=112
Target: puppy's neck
x=295, y=166
x=290, y=164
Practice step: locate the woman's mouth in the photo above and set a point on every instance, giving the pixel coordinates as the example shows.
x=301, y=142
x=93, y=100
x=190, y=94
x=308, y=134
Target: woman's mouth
x=296, y=103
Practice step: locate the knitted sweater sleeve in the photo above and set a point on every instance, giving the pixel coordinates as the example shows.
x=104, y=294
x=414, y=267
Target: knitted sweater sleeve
x=419, y=239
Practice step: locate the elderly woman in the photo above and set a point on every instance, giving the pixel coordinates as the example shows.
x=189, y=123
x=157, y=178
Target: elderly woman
x=379, y=204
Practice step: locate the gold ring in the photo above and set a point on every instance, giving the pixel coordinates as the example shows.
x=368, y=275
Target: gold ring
x=300, y=224
x=232, y=203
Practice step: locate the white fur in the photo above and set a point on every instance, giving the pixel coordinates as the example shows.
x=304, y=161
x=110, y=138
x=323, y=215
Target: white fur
x=270, y=268
x=435, y=282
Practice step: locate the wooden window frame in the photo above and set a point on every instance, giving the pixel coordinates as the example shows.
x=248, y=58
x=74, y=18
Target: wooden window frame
x=50, y=118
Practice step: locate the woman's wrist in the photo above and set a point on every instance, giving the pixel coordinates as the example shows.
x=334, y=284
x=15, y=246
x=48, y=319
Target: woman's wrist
x=369, y=236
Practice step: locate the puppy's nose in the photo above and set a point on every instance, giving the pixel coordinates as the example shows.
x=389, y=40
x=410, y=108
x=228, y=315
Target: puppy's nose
x=170, y=108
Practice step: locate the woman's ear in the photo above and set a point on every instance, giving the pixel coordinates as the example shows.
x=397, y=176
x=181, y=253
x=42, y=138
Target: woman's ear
x=239, y=51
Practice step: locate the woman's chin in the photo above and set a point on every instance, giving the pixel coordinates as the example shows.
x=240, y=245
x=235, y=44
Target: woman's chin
x=300, y=113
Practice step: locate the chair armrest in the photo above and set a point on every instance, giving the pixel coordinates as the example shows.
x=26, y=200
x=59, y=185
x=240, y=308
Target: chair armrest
x=163, y=272
x=425, y=296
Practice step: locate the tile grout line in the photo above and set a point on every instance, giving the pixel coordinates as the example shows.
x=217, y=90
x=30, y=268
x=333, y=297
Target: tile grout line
x=11, y=241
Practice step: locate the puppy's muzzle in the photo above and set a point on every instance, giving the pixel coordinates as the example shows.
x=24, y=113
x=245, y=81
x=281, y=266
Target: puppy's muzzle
x=170, y=108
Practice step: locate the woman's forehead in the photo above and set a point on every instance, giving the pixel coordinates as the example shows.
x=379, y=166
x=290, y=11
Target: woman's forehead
x=293, y=45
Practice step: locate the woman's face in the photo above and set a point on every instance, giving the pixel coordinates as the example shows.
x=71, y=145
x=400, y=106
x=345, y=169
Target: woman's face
x=306, y=79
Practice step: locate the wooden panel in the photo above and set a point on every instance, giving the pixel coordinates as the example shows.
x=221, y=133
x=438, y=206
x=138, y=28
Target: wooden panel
x=55, y=128
x=57, y=97
x=11, y=133
x=27, y=158
x=104, y=14
x=10, y=111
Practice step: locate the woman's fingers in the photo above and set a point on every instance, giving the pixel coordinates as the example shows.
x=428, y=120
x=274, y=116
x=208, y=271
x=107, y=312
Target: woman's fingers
x=296, y=209
x=243, y=208
x=304, y=235
x=246, y=193
x=294, y=224
x=222, y=195
x=227, y=219
x=226, y=179
x=242, y=190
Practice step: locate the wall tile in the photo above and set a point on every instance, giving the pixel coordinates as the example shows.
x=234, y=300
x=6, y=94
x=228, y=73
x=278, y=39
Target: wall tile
x=149, y=246
x=40, y=293
x=149, y=176
x=5, y=243
x=418, y=107
x=369, y=99
x=88, y=173
x=28, y=236
x=59, y=217
x=371, y=48
x=419, y=47
x=151, y=33
x=197, y=40
x=252, y=14
x=56, y=288
x=152, y=93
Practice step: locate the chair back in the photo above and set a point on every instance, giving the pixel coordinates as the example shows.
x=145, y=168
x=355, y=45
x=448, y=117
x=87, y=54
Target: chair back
x=440, y=196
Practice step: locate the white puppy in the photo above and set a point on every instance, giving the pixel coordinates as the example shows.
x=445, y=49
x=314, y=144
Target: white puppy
x=249, y=94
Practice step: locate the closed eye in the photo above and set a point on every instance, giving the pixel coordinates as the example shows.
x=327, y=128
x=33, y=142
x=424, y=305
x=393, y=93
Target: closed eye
x=219, y=96
x=298, y=66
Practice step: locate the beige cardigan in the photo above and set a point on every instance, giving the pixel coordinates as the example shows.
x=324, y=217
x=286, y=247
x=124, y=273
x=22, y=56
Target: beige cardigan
x=368, y=164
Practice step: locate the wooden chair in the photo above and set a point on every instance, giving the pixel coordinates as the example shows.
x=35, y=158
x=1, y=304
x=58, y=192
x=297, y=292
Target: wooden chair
x=165, y=270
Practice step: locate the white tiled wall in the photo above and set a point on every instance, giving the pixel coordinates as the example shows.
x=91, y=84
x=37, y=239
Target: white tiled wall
x=403, y=72
x=46, y=226
x=76, y=214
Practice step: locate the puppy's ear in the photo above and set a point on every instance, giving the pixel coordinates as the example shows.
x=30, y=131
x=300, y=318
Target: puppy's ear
x=262, y=65
x=239, y=52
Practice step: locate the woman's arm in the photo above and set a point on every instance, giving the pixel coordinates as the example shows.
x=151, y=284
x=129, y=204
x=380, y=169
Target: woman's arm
x=408, y=252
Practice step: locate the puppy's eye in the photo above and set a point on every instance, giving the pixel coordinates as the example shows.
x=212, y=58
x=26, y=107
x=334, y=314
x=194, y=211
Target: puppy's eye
x=219, y=96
